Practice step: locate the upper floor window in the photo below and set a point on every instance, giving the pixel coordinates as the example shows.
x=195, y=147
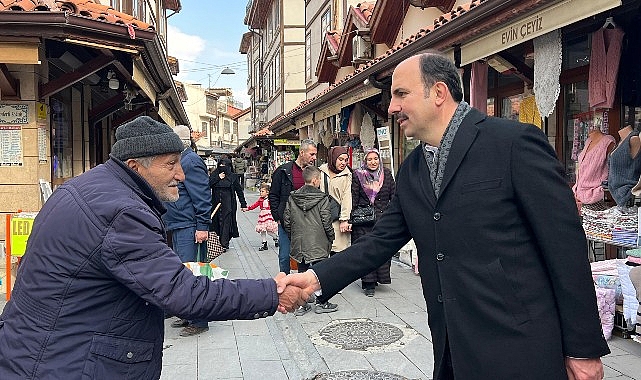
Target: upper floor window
x=308, y=56
x=326, y=22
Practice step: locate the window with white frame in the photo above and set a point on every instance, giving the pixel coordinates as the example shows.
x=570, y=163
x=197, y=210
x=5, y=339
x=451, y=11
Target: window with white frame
x=308, y=56
x=277, y=72
x=204, y=128
x=326, y=23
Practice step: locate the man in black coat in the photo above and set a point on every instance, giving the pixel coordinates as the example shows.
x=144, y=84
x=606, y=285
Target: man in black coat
x=502, y=254
x=287, y=178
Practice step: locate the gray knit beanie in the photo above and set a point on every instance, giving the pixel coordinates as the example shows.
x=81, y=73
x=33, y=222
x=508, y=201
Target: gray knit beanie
x=145, y=137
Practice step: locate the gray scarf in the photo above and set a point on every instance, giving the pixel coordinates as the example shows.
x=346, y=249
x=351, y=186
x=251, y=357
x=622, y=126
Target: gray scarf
x=436, y=164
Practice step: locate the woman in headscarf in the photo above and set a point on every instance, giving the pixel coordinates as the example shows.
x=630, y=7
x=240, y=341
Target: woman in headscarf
x=337, y=178
x=224, y=183
x=372, y=184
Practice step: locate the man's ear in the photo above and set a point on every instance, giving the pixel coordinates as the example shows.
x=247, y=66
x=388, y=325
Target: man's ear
x=133, y=165
x=440, y=92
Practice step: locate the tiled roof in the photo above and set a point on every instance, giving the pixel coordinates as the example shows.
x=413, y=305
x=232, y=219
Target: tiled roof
x=263, y=132
x=438, y=23
x=365, y=10
x=84, y=8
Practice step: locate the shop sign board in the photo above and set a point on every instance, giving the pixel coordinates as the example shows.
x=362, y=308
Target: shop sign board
x=385, y=147
x=10, y=145
x=286, y=142
x=14, y=114
x=20, y=229
x=533, y=25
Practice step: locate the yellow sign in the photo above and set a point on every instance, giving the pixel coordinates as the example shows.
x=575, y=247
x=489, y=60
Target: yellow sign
x=42, y=111
x=286, y=142
x=20, y=230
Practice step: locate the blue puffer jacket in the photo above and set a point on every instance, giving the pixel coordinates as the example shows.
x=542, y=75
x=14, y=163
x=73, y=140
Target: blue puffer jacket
x=193, y=207
x=90, y=291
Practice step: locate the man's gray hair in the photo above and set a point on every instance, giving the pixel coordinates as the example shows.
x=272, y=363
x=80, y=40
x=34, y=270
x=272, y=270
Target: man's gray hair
x=306, y=143
x=144, y=161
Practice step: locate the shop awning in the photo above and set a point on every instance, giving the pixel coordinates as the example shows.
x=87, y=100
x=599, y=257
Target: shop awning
x=19, y=53
x=532, y=26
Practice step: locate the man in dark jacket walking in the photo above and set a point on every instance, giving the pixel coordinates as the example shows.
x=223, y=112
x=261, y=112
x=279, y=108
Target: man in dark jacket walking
x=97, y=274
x=287, y=178
x=187, y=219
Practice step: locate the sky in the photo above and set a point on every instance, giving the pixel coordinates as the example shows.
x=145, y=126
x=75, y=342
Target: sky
x=205, y=37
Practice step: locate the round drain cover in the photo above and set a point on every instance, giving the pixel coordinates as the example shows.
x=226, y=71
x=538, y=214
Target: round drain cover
x=359, y=375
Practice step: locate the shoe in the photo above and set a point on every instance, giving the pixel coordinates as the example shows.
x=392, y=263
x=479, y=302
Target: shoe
x=369, y=292
x=193, y=330
x=326, y=307
x=180, y=323
x=302, y=310
x=263, y=247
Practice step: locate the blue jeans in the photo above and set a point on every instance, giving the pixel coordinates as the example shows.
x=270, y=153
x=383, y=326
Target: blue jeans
x=283, y=250
x=184, y=244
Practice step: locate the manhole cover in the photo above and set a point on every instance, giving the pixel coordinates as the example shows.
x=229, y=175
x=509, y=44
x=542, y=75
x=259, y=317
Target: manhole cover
x=363, y=335
x=359, y=375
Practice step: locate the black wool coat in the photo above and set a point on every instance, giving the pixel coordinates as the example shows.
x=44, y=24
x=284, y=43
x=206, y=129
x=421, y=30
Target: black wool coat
x=501, y=255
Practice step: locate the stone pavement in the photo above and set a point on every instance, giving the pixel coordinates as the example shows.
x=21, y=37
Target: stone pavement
x=384, y=337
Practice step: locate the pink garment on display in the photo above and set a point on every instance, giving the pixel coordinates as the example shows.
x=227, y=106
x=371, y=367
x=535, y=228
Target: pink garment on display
x=592, y=170
x=478, y=86
x=604, y=66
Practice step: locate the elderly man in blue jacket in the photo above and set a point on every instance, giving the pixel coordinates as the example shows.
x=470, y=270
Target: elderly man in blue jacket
x=97, y=274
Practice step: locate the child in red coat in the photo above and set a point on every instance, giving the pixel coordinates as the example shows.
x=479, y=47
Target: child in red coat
x=266, y=224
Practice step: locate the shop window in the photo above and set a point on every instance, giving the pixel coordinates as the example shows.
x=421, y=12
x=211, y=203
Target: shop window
x=490, y=107
x=61, y=137
x=510, y=107
x=578, y=119
x=632, y=117
x=576, y=52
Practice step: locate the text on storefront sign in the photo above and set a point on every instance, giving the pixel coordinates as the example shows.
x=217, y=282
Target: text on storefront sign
x=523, y=31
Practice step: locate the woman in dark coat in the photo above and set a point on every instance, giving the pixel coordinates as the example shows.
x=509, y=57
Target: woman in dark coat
x=223, y=184
x=372, y=184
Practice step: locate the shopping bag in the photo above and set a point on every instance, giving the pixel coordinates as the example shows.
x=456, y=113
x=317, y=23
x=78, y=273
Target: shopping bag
x=214, y=248
x=209, y=270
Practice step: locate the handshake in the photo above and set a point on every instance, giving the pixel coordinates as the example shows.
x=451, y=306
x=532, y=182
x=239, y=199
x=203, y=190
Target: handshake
x=295, y=289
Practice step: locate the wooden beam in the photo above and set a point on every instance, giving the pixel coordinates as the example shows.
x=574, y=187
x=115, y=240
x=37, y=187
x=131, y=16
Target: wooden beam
x=8, y=84
x=129, y=116
x=106, y=108
x=523, y=71
x=69, y=79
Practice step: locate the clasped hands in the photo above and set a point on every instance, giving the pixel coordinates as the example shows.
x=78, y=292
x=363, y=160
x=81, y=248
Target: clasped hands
x=295, y=289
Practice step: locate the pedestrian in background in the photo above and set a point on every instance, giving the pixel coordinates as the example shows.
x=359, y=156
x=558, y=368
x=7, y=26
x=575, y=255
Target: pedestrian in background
x=502, y=253
x=240, y=167
x=308, y=222
x=372, y=185
x=225, y=188
x=287, y=178
x=187, y=219
x=337, y=182
x=91, y=288
x=266, y=224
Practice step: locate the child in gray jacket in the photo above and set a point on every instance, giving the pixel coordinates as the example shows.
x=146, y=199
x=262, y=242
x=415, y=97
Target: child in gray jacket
x=308, y=222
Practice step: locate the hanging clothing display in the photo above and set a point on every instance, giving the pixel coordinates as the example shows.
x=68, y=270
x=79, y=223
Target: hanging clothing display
x=604, y=66
x=624, y=171
x=478, y=86
x=593, y=168
x=547, y=70
x=529, y=112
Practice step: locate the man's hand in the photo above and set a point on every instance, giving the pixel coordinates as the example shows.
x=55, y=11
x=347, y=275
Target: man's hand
x=584, y=369
x=221, y=175
x=201, y=236
x=289, y=297
x=307, y=281
x=345, y=226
